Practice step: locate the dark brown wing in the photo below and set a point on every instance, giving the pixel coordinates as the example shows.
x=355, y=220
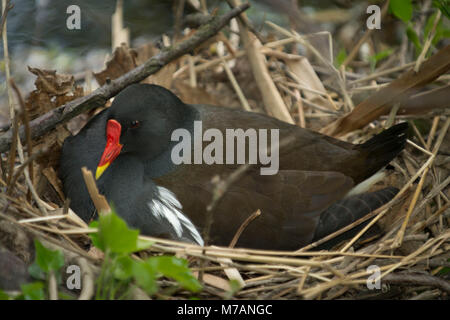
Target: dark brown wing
x=312, y=151
x=305, y=150
x=290, y=204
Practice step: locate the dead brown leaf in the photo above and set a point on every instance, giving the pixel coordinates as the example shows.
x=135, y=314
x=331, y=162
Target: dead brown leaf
x=52, y=90
x=122, y=61
x=50, y=82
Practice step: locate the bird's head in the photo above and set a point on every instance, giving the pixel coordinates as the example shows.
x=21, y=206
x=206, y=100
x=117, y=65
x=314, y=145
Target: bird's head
x=140, y=122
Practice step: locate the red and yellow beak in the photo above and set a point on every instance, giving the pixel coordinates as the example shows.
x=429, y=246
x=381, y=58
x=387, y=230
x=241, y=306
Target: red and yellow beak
x=112, y=149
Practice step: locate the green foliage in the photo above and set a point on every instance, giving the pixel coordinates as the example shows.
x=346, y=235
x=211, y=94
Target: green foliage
x=441, y=32
x=414, y=38
x=119, y=271
x=3, y=295
x=373, y=60
x=110, y=226
x=145, y=276
x=48, y=260
x=176, y=269
x=340, y=58
x=444, y=6
x=235, y=286
x=445, y=270
x=402, y=9
x=32, y=291
x=36, y=272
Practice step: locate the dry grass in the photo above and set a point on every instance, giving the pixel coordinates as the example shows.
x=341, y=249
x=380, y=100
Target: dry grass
x=415, y=244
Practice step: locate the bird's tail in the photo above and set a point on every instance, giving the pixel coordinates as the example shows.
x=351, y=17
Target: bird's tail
x=382, y=148
x=347, y=211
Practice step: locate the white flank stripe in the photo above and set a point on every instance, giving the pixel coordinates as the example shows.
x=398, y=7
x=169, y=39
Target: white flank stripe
x=166, y=206
x=365, y=185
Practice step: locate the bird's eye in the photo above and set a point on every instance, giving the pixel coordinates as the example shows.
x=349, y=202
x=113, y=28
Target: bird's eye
x=135, y=124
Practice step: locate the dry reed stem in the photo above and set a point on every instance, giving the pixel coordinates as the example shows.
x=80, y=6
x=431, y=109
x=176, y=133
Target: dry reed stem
x=401, y=233
x=427, y=44
x=272, y=99
x=87, y=288
x=276, y=274
x=99, y=200
x=242, y=227
x=364, y=38
x=236, y=87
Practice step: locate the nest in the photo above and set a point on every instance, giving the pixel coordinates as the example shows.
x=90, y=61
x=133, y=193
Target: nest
x=410, y=255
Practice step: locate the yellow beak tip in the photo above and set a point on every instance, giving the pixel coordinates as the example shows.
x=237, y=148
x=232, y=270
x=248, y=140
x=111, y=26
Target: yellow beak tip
x=100, y=170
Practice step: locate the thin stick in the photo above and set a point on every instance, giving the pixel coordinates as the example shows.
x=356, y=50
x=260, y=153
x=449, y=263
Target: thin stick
x=418, y=147
x=99, y=97
x=244, y=225
x=6, y=7
x=26, y=123
x=192, y=73
x=399, y=239
x=272, y=99
x=236, y=86
x=52, y=286
x=431, y=218
x=418, y=279
x=99, y=200
x=87, y=289
x=301, y=284
x=40, y=219
x=12, y=152
x=301, y=111
x=376, y=75
x=432, y=132
x=401, y=233
x=22, y=167
x=427, y=44
x=386, y=206
x=364, y=38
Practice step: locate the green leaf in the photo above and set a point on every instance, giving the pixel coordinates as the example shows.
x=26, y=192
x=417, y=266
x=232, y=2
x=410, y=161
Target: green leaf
x=114, y=234
x=33, y=291
x=235, y=286
x=429, y=25
x=340, y=58
x=48, y=259
x=4, y=296
x=445, y=33
x=65, y=296
x=36, y=272
x=444, y=271
x=177, y=269
x=145, y=276
x=94, y=235
x=414, y=38
x=402, y=9
x=123, y=268
x=443, y=5
x=379, y=56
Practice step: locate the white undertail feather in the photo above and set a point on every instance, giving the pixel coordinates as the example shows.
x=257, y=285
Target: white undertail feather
x=166, y=206
x=365, y=185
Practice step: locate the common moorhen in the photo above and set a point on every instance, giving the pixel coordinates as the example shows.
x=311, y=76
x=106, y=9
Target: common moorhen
x=129, y=146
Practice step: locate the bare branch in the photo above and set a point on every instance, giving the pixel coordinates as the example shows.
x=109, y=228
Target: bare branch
x=62, y=114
